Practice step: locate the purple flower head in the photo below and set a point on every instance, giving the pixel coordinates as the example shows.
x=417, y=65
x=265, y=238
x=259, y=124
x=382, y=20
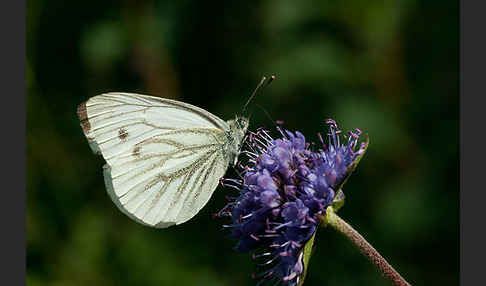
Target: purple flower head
x=285, y=188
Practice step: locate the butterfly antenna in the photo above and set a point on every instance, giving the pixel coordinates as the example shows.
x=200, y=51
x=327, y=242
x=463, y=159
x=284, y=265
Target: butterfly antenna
x=263, y=83
x=267, y=114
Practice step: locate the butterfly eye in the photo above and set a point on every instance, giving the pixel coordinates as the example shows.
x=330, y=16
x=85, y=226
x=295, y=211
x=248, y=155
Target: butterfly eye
x=242, y=122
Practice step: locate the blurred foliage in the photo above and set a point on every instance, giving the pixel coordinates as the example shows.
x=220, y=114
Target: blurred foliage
x=387, y=67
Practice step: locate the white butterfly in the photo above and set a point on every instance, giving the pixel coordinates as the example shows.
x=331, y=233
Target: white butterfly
x=164, y=157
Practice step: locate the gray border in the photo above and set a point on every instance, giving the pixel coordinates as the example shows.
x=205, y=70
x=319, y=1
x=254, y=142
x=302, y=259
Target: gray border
x=13, y=210
x=472, y=78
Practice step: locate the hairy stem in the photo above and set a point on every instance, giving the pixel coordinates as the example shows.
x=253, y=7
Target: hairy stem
x=365, y=248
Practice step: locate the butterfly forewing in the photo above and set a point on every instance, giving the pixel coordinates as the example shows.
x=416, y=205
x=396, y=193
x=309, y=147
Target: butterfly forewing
x=164, y=157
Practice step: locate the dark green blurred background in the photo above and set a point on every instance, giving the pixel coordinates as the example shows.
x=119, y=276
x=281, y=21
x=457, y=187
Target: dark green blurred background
x=390, y=68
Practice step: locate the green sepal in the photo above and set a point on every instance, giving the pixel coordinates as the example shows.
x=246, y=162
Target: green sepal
x=323, y=218
x=326, y=219
x=307, y=252
x=338, y=201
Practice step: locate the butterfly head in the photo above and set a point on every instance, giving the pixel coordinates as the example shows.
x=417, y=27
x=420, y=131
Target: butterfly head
x=242, y=123
x=237, y=133
x=238, y=128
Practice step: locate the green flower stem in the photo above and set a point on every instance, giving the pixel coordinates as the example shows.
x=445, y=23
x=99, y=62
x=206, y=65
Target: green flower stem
x=366, y=249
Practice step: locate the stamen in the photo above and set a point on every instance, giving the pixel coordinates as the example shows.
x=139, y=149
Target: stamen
x=256, y=256
x=283, y=224
x=263, y=275
x=260, y=142
x=267, y=262
x=270, y=235
x=266, y=134
x=311, y=219
x=296, y=244
x=246, y=216
x=249, y=154
x=282, y=132
x=232, y=186
x=289, y=277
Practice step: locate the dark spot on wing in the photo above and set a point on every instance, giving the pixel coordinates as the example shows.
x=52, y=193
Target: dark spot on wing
x=83, y=117
x=122, y=134
x=136, y=151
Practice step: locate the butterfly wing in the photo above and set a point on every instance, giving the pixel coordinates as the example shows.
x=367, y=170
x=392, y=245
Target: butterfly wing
x=164, y=157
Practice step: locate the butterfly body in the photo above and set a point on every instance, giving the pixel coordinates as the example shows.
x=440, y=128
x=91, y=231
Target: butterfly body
x=164, y=158
x=235, y=137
